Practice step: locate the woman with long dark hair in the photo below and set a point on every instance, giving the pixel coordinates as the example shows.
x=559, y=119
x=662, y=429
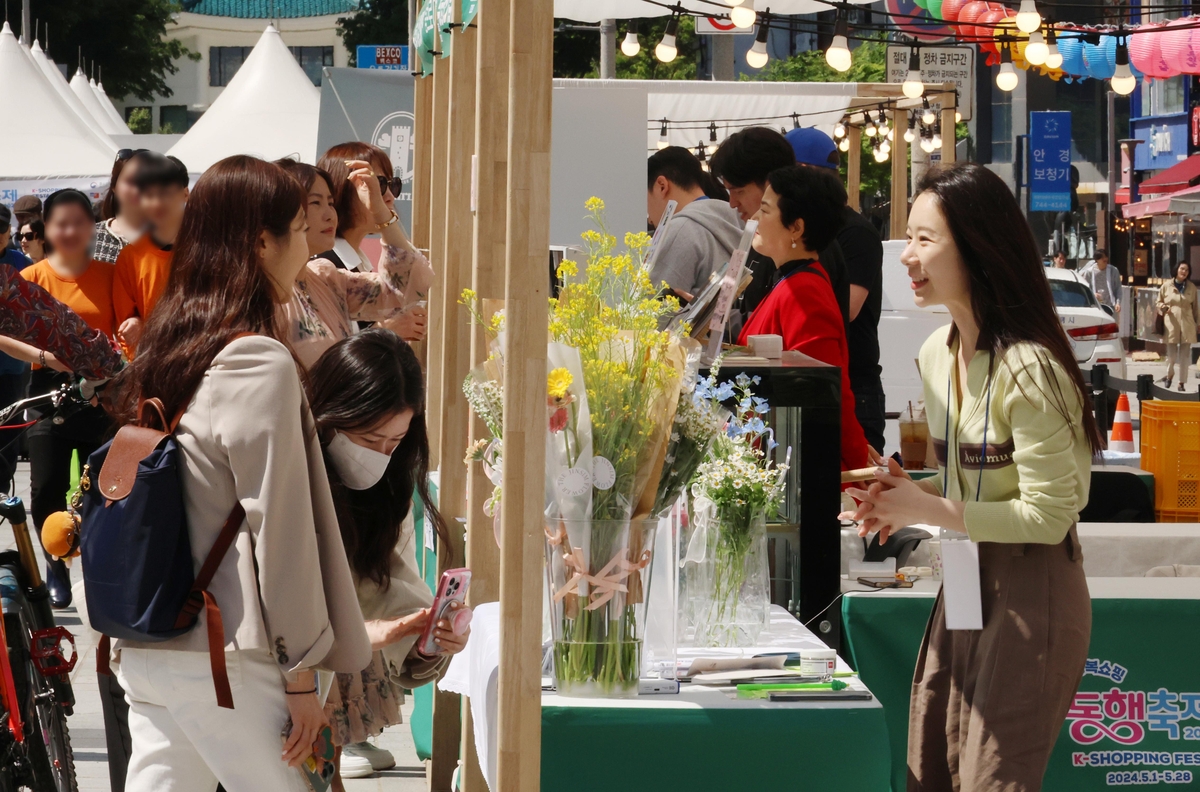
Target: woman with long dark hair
x=121, y=221
x=365, y=198
x=1012, y=425
x=246, y=435
x=328, y=299
x=368, y=398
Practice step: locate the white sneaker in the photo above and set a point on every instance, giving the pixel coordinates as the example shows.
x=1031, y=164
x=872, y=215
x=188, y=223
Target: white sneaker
x=380, y=758
x=354, y=766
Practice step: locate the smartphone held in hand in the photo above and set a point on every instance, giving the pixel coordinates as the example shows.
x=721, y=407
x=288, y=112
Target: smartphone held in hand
x=452, y=588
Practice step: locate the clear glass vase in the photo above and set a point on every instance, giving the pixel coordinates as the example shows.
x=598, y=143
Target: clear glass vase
x=599, y=578
x=727, y=592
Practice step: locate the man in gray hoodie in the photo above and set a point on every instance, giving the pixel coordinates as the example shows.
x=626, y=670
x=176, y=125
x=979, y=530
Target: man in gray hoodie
x=702, y=234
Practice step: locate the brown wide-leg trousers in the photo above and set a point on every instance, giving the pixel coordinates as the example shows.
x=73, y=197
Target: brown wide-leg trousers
x=987, y=705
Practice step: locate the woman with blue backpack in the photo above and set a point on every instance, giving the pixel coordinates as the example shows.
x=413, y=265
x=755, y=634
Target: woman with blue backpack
x=368, y=399
x=231, y=698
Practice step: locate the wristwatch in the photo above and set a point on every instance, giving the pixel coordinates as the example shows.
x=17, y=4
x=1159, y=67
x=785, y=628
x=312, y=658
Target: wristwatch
x=395, y=219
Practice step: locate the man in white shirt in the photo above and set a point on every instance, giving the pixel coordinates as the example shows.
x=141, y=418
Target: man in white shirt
x=1104, y=280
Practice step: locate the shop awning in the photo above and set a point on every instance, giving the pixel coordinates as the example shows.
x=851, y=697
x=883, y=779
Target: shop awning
x=1173, y=179
x=1165, y=204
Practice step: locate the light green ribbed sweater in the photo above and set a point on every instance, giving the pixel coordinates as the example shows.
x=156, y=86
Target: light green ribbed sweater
x=1038, y=470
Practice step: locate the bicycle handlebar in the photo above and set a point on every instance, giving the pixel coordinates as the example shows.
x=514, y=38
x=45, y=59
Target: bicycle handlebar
x=78, y=394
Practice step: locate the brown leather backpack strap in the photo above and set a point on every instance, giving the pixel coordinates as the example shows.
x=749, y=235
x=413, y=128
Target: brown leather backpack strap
x=156, y=405
x=103, y=652
x=220, y=547
x=216, y=651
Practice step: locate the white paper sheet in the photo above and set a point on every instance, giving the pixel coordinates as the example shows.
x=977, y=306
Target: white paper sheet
x=960, y=584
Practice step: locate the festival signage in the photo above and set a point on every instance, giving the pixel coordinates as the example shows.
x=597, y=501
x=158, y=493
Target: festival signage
x=1050, y=161
x=939, y=65
x=382, y=56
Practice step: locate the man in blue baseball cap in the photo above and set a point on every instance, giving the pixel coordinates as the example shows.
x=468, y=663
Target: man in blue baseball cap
x=863, y=250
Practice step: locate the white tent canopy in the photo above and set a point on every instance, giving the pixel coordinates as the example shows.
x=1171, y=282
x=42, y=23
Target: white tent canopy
x=87, y=97
x=59, y=84
x=595, y=10
x=59, y=144
x=109, y=110
x=269, y=109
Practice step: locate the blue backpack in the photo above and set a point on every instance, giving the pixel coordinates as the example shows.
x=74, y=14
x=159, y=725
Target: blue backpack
x=137, y=555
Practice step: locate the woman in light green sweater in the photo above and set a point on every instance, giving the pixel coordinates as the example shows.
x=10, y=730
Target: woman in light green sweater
x=1014, y=435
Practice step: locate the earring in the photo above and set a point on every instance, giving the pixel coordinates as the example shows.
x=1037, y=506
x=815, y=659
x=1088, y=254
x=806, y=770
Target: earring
x=793, y=244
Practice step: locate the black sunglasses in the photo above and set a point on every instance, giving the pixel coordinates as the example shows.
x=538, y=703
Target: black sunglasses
x=389, y=183
x=28, y=236
x=125, y=154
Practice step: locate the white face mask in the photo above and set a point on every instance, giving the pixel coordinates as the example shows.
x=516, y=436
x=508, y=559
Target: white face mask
x=358, y=467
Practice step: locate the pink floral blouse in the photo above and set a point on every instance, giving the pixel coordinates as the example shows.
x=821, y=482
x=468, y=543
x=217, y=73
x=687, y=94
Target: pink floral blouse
x=326, y=299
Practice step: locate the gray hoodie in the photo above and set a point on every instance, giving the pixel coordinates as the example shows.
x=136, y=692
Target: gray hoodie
x=699, y=239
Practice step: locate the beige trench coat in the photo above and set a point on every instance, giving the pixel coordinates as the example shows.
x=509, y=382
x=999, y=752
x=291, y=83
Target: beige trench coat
x=1182, y=313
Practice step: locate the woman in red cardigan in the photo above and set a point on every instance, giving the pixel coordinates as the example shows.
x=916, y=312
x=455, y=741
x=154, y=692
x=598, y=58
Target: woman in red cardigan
x=800, y=214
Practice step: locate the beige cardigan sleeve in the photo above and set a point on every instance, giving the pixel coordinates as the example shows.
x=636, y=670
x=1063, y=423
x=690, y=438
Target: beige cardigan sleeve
x=306, y=592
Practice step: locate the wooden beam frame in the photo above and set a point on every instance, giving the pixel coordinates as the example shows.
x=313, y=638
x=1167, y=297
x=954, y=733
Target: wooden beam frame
x=519, y=726
x=949, y=125
x=438, y=142
x=854, y=168
x=899, y=214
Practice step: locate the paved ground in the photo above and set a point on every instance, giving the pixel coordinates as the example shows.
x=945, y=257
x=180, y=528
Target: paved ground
x=87, y=724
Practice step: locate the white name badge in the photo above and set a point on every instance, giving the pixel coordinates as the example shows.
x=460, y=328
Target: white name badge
x=961, y=589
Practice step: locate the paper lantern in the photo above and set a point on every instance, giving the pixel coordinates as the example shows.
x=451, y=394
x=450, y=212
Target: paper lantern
x=934, y=7
x=1100, y=60
x=1145, y=52
x=1176, y=45
x=1070, y=46
x=984, y=28
x=921, y=3
x=951, y=9
x=966, y=19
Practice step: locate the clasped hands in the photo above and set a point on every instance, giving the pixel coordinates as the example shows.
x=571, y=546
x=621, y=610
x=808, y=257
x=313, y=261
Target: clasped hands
x=889, y=503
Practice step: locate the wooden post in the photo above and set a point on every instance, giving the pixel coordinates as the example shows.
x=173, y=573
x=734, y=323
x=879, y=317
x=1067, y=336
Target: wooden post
x=487, y=279
x=439, y=141
x=948, y=125
x=455, y=221
x=854, y=167
x=519, y=721
x=899, y=214
x=422, y=137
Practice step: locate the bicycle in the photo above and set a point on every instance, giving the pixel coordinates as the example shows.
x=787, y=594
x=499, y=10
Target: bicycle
x=35, y=691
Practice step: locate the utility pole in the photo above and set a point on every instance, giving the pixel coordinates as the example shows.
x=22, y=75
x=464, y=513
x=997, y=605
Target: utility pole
x=722, y=57
x=608, y=49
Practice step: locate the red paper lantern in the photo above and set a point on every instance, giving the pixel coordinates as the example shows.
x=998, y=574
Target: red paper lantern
x=951, y=9
x=966, y=19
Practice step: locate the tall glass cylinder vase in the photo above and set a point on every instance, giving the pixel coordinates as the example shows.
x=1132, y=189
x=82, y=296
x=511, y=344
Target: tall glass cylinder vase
x=599, y=577
x=728, y=586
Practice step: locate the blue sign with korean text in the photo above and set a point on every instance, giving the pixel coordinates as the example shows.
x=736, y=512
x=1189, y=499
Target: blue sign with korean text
x=383, y=56
x=1050, y=161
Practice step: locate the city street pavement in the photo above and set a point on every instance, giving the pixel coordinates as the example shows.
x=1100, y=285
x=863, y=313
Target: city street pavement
x=87, y=723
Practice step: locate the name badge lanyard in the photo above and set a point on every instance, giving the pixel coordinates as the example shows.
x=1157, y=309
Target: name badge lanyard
x=987, y=419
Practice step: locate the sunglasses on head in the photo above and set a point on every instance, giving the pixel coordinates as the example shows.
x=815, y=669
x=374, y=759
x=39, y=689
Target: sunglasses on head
x=390, y=183
x=125, y=154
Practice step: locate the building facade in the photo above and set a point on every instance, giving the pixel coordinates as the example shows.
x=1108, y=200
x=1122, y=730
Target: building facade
x=222, y=33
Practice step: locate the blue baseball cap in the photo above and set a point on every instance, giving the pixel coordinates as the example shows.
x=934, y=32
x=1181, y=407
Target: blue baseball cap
x=813, y=147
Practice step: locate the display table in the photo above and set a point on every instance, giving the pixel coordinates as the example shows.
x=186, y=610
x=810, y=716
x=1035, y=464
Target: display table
x=1141, y=667
x=703, y=739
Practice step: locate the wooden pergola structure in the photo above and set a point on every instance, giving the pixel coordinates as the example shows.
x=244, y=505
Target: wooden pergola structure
x=481, y=207
x=483, y=130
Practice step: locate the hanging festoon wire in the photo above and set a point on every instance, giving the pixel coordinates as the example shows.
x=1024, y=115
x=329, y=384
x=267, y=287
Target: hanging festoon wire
x=1123, y=82
x=631, y=46
x=666, y=51
x=1006, y=78
x=795, y=120
x=914, y=84
x=712, y=137
x=935, y=142
x=927, y=114
x=910, y=134
x=701, y=154
x=757, y=57
x=869, y=128
x=1054, y=58
x=883, y=127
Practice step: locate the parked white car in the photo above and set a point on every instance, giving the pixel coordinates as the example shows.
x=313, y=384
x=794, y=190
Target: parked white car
x=903, y=328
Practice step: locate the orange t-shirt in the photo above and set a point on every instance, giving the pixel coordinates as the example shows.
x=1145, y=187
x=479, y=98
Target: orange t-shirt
x=141, y=274
x=90, y=295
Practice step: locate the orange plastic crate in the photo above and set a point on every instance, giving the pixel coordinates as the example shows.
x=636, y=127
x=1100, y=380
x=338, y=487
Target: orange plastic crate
x=1171, y=451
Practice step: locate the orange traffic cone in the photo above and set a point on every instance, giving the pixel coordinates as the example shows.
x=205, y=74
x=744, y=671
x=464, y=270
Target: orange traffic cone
x=1121, y=438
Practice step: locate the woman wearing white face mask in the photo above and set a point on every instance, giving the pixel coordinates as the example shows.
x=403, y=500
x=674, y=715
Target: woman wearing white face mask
x=369, y=403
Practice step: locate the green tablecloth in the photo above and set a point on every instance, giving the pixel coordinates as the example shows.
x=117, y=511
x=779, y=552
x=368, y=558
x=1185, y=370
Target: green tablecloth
x=759, y=746
x=1138, y=707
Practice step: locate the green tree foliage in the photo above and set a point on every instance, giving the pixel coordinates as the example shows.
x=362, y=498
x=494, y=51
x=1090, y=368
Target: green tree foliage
x=577, y=52
x=125, y=39
x=140, y=121
x=377, y=22
x=869, y=65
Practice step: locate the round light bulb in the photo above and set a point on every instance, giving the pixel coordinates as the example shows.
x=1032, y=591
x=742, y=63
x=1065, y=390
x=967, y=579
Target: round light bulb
x=1028, y=18
x=926, y=145
x=1123, y=82
x=631, y=46
x=881, y=156
x=733, y=2
x=935, y=142
x=839, y=131
x=869, y=130
x=909, y=135
x=665, y=51
x=1006, y=80
x=928, y=116
x=913, y=86
x=1036, y=50
x=838, y=54
x=1054, y=58
x=885, y=147
x=885, y=130
x=957, y=117
x=743, y=16
x=844, y=145
x=756, y=58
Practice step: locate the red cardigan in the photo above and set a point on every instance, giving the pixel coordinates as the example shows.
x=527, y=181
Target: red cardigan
x=803, y=309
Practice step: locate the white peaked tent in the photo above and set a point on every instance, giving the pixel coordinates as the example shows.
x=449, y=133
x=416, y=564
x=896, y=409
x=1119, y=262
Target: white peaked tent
x=87, y=97
x=109, y=110
x=59, y=84
x=59, y=144
x=269, y=109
